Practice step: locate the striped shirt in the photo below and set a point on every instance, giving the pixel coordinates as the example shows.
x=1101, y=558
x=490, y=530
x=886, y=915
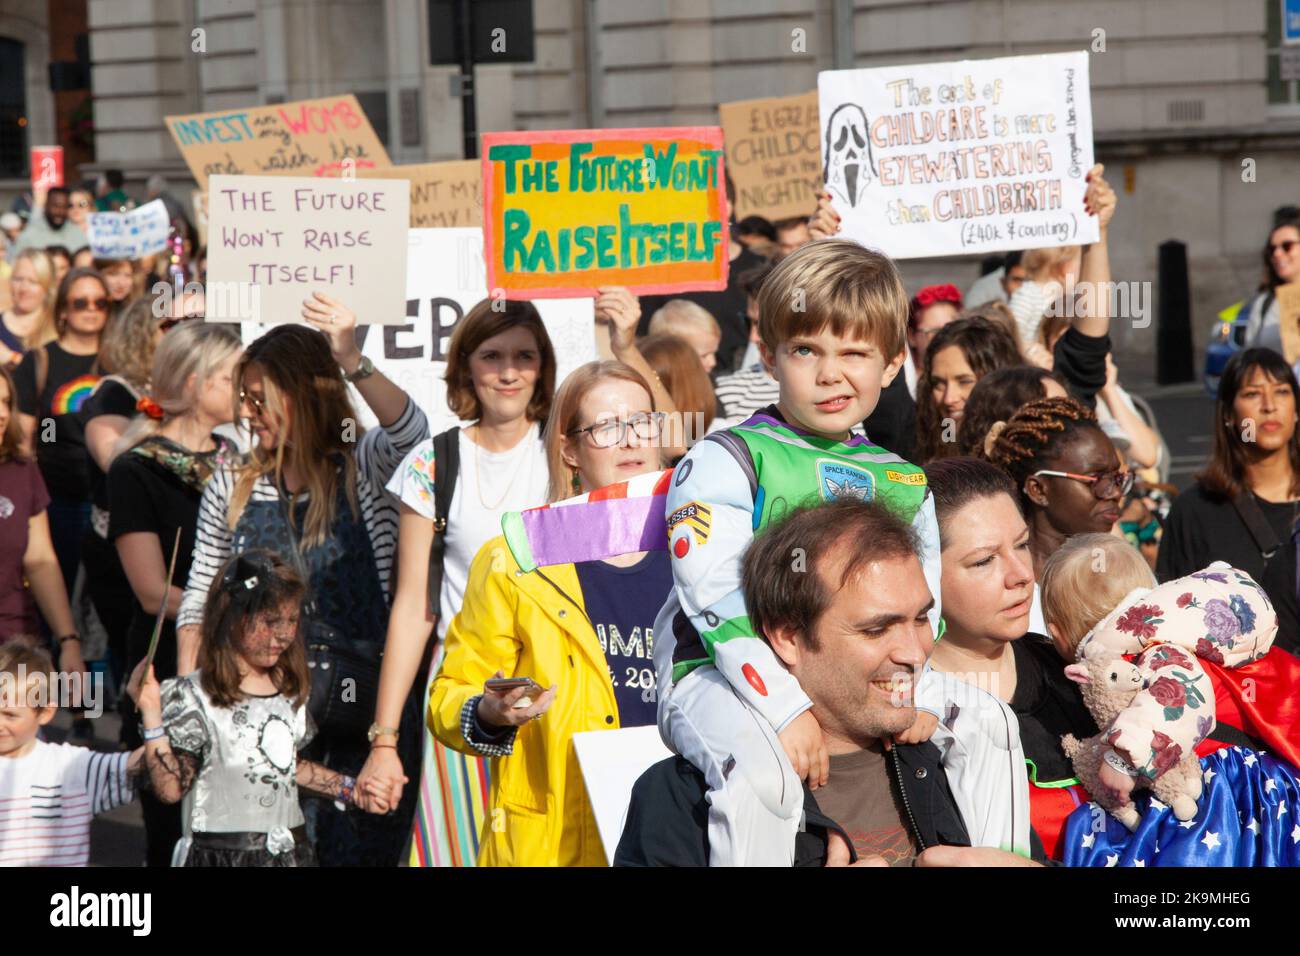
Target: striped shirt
x=48, y=798
x=744, y=393
x=377, y=455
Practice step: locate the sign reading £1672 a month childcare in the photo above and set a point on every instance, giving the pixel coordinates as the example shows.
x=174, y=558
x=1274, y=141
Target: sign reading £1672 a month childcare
x=566, y=212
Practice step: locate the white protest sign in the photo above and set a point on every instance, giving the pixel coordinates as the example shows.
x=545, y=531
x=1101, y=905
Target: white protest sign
x=287, y=237
x=937, y=159
x=129, y=235
x=445, y=278
x=611, y=762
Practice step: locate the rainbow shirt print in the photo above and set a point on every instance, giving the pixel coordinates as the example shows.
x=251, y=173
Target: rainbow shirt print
x=71, y=395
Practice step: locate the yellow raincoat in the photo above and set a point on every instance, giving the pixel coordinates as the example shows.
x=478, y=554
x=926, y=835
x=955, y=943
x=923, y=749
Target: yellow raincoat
x=529, y=625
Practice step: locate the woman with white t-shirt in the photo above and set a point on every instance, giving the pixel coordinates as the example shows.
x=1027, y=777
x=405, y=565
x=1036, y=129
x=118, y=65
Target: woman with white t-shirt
x=500, y=376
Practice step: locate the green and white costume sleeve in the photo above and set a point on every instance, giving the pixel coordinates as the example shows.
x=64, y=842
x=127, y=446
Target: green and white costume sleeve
x=723, y=695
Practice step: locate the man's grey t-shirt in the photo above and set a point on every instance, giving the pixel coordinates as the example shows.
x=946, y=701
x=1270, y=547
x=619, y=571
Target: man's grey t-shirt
x=859, y=798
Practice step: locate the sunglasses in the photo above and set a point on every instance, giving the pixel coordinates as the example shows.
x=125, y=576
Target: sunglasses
x=1103, y=486
x=80, y=304
x=1285, y=245
x=258, y=405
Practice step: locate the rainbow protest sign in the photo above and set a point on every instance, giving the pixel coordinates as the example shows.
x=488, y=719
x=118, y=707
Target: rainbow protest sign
x=565, y=212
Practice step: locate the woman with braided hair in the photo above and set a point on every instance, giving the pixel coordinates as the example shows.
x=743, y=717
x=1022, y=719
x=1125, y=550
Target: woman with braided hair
x=997, y=397
x=1069, y=475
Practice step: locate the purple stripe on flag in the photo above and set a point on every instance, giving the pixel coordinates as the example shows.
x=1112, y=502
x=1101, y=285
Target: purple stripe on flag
x=596, y=530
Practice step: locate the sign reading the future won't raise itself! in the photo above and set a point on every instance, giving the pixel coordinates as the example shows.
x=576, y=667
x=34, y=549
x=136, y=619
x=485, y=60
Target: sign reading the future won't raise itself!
x=935, y=159
x=283, y=238
x=565, y=212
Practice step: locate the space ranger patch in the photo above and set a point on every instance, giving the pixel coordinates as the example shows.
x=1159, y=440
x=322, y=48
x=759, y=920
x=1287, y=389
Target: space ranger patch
x=836, y=480
x=695, y=516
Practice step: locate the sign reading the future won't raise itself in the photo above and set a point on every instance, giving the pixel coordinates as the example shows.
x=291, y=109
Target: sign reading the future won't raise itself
x=286, y=237
x=935, y=159
x=565, y=212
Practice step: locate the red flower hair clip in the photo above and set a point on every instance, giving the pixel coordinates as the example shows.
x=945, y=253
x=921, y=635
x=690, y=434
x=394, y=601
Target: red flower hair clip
x=938, y=293
x=150, y=408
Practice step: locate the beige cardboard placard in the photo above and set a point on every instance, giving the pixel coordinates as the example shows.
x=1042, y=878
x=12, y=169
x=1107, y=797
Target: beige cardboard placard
x=326, y=137
x=274, y=240
x=774, y=155
x=443, y=195
x=1288, y=313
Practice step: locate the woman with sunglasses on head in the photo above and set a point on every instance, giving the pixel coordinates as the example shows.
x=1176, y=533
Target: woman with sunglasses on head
x=579, y=628
x=1281, y=265
x=312, y=491
x=53, y=383
x=1245, y=505
x=159, y=468
x=1069, y=475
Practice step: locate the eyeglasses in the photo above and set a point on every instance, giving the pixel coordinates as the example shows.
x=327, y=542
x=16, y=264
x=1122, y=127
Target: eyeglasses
x=645, y=425
x=81, y=204
x=81, y=305
x=257, y=404
x=1104, y=486
x=1285, y=245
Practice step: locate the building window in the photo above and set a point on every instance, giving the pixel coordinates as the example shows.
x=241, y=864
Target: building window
x=1280, y=92
x=13, y=110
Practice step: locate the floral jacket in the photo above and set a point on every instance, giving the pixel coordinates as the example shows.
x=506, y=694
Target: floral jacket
x=1218, y=614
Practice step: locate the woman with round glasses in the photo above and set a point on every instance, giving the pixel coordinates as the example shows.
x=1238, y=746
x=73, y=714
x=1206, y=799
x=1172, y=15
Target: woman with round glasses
x=581, y=630
x=1067, y=471
x=53, y=382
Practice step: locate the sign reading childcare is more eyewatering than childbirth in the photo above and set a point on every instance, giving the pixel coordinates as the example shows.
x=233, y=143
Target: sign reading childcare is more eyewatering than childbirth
x=288, y=237
x=325, y=137
x=565, y=212
x=938, y=159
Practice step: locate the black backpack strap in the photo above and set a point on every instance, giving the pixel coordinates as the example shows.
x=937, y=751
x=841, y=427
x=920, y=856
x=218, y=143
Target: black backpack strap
x=446, y=468
x=1265, y=537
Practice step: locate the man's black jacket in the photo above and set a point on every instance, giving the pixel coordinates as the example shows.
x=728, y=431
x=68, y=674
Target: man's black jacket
x=667, y=822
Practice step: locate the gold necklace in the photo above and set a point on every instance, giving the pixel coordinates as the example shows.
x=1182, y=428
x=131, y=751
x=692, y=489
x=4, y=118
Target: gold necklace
x=478, y=474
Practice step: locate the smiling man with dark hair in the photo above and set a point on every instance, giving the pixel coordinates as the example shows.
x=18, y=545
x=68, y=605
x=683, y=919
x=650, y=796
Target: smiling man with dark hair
x=838, y=593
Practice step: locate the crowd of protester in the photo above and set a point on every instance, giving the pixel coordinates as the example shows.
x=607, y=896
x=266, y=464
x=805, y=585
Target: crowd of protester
x=376, y=646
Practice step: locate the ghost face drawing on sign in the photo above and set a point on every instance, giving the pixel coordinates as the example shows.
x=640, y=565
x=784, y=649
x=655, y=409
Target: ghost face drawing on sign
x=849, y=166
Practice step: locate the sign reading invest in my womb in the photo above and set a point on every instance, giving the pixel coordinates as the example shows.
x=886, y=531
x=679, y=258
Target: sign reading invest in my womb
x=935, y=159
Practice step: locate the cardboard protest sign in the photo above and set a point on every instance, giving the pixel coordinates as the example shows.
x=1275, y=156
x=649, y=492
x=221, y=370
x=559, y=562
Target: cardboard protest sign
x=283, y=238
x=445, y=279
x=936, y=159
x=774, y=155
x=129, y=235
x=611, y=761
x=1288, y=315
x=443, y=195
x=325, y=137
x=565, y=212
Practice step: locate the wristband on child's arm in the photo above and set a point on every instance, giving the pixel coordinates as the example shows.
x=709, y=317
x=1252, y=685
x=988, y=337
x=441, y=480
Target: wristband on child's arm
x=1116, y=762
x=152, y=733
x=347, y=785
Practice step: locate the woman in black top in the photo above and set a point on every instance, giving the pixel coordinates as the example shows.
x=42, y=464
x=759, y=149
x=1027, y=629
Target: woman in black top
x=127, y=354
x=53, y=382
x=987, y=585
x=1253, y=476
x=155, y=481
